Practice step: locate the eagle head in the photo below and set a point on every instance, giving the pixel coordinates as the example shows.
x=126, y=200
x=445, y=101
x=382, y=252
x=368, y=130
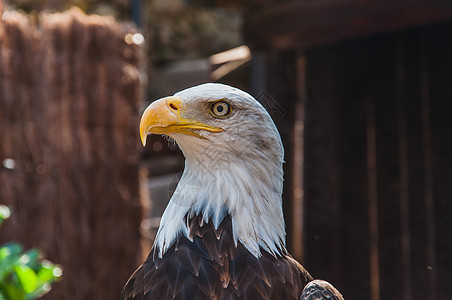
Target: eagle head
x=234, y=158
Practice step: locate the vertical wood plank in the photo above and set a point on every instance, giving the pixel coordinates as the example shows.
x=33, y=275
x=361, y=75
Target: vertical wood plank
x=279, y=94
x=298, y=159
x=415, y=161
x=352, y=67
x=403, y=172
x=384, y=93
x=373, y=200
x=437, y=68
x=322, y=175
x=427, y=149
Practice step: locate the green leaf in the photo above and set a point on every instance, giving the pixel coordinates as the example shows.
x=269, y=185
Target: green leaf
x=57, y=272
x=45, y=274
x=27, y=278
x=2, y=296
x=24, y=275
x=35, y=259
x=41, y=291
x=9, y=250
x=11, y=292
x=9, y=256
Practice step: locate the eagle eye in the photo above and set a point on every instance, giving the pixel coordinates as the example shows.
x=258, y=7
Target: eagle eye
x=220, y=109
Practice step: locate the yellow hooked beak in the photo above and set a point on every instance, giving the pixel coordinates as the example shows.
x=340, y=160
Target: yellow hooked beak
x=163, y=117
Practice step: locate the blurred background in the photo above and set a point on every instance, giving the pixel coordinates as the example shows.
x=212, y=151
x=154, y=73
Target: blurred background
x=360, y=90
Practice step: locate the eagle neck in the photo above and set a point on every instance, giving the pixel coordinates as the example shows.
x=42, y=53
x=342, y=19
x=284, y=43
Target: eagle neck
x=249, y=191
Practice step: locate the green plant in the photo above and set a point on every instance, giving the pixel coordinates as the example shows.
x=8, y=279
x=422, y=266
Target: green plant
x=24, y=275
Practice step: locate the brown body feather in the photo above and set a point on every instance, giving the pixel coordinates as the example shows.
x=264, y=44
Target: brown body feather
x=320, y=290
x=212, y=267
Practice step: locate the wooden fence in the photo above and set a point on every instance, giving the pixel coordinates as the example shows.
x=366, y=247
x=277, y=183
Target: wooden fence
x=69, y=90
x=368, y=191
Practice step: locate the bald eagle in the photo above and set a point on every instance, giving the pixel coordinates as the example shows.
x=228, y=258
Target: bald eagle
x=222, y=235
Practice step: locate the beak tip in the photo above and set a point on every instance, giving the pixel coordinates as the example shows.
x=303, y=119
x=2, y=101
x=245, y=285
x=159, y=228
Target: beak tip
x=143, y=140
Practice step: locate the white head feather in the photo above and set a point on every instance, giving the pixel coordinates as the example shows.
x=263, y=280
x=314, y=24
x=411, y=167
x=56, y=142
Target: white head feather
x=237, y=171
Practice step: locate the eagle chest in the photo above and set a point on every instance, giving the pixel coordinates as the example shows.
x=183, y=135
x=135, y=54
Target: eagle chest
x=212, y=267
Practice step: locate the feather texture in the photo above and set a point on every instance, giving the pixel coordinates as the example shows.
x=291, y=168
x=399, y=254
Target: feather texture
x=320, y=290
x=212, y=267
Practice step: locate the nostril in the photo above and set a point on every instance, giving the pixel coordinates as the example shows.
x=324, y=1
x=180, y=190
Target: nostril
x=173, y=106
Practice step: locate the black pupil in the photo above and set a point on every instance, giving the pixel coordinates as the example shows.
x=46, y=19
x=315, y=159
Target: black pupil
x=220, y=108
